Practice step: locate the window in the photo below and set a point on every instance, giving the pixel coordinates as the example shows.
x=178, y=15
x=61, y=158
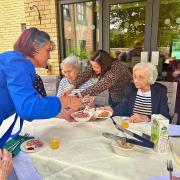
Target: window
x=81, y=14
x=80, y=39
x=82, y=45
x=68, y=47
x=66, y=12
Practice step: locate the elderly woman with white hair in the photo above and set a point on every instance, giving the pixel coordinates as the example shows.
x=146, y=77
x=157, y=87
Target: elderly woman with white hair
x=144, y=97
x=71, y=67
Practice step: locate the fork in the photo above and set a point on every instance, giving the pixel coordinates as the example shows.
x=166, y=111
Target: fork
x=170, y=168
x=14, y=146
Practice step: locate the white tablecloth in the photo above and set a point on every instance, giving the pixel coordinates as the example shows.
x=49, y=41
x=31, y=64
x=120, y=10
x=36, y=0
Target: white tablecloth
x=85, y=154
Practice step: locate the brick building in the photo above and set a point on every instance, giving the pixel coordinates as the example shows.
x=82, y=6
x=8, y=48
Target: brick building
x=14, y=15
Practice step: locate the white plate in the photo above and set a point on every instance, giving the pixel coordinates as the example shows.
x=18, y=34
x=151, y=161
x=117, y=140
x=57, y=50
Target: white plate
x=23, y=146
x=98, y=112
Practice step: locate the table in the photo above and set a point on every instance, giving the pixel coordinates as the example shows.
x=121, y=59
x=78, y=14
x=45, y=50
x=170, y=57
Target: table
x=85, y=154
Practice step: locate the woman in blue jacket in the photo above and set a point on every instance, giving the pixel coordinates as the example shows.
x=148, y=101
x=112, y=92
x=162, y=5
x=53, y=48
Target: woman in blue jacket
x=17, y=74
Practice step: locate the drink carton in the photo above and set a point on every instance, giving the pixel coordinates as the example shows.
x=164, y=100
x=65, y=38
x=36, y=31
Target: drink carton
x=159, y=132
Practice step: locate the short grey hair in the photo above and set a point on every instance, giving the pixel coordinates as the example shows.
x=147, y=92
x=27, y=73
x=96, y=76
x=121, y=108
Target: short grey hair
x=71, y=61
x=150, y=69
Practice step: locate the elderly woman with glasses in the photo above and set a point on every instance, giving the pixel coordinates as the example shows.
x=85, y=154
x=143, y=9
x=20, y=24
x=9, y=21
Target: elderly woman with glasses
x=144, y=97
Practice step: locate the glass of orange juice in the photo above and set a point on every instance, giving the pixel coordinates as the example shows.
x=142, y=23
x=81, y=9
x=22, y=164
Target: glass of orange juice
x=54, y=142
x=125, y=124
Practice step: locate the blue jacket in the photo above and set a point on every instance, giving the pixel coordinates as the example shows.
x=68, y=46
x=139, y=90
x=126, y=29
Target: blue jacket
x=17, y=94
x=158, y=97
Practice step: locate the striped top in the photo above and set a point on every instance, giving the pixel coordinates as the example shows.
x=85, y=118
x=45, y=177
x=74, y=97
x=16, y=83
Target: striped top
x=65, y=84
x=143, y=103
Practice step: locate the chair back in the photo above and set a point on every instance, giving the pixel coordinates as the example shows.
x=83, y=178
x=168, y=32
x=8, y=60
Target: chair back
x=51, y=84
x=171, y=94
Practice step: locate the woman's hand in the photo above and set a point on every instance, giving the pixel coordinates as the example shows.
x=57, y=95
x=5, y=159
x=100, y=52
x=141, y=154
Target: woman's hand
x=66, y=114
x=71, y=102
x=5, y=164
x=135, y=118
x=108, y=108
x=88, y=100
x=68, y=91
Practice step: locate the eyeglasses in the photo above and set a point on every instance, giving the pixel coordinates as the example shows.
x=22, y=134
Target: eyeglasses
x=139, y=78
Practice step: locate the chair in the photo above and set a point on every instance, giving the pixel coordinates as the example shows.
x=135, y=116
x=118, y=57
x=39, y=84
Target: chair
x=102, y=98
x=51, y=84
x=171, y=94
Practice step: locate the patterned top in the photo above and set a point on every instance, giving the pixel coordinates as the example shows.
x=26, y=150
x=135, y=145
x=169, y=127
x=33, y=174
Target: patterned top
x=143, y=103
x=65, y=84
x=39, y=86
x=115, y=80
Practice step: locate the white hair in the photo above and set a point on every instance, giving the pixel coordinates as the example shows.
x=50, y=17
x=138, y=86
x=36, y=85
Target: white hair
x=71, y=62
x=150, y=69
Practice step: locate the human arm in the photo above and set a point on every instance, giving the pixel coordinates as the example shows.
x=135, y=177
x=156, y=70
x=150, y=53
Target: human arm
x=61, y=87
x=135, y=118
x=25, y=98
x=81, y=79
x=71, y=102
x=117, y=74
x=5, y=164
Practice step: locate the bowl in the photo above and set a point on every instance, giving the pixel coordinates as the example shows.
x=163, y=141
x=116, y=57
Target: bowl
x=82, y=116
x=123, y=149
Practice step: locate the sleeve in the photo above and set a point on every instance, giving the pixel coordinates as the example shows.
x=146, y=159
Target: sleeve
x=111, y=77
x=60, y=88
x=85, y=76
x=122, y=108
x=25, y=98
x=163, y=103
x=39, y=86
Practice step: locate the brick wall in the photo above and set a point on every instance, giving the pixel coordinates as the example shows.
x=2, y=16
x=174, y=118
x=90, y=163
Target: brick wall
x=11, y=16
x=48, y=13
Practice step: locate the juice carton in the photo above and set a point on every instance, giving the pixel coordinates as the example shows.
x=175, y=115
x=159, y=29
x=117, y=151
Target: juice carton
x=159, y=132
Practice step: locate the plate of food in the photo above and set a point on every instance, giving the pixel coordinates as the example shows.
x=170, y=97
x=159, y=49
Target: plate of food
x=32, y=145
x=102, y=114
x=82, y=116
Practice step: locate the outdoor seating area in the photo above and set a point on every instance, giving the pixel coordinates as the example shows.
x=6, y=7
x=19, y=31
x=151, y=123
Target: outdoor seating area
x=90, y=90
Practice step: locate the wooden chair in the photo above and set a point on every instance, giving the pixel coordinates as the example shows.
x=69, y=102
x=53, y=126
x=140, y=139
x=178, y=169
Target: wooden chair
x=171, y=94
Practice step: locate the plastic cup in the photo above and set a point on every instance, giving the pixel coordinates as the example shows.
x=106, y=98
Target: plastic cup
x=54, y=143
x=125, y=124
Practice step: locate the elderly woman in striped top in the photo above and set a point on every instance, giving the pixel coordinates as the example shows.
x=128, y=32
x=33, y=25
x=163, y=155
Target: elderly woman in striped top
x=71, y=69
x=144, y=97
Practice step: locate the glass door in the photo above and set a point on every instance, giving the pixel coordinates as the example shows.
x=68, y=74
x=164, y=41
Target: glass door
x=128, y=26
x=79, y=29
x=168, y=39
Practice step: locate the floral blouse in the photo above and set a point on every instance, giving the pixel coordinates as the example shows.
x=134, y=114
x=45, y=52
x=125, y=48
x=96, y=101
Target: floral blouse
x=115, y=80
